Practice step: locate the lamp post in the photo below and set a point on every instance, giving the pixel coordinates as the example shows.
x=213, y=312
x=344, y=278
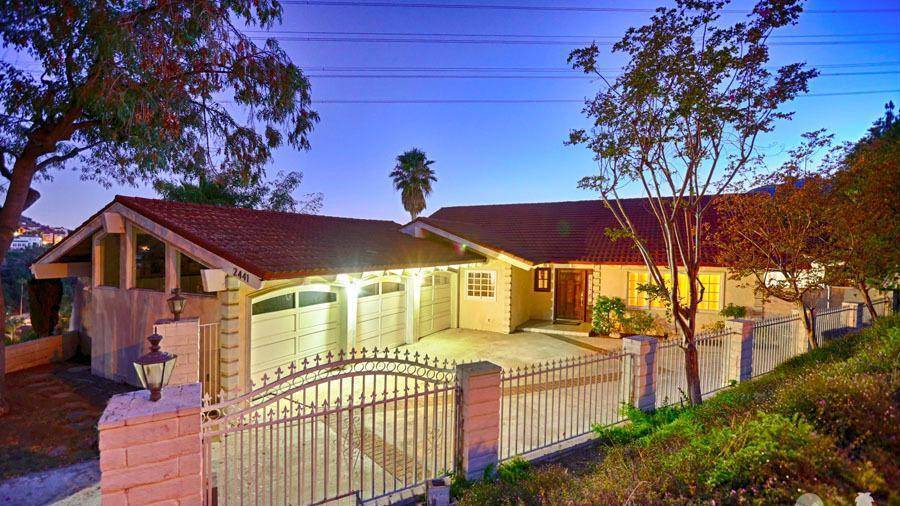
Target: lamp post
x=176, y=304
x=155, y=368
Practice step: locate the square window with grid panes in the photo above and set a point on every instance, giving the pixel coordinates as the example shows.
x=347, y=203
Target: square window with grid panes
x=481, y=285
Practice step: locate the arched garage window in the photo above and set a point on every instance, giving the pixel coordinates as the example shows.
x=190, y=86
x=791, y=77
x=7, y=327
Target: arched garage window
x=313, y=298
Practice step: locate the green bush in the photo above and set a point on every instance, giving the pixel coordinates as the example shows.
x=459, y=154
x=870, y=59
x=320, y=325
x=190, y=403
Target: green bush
x=608, y=313
x=732, y=311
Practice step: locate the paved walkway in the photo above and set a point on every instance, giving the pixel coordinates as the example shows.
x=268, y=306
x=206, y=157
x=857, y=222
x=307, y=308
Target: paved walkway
x=506, y=350
x=78, y=484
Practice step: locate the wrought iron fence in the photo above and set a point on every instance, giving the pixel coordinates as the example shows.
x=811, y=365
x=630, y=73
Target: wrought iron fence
x=712, y=356
x=832, y=323
x=209, y=359
x=549, y=406
x=366, y=426
x=774, y=342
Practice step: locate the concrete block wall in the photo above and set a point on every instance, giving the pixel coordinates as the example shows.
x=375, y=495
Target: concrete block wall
x=479, y=429
x=41, y=351
x=643, y=369
x=151, y=452
x=182, y=338
x=740, y=350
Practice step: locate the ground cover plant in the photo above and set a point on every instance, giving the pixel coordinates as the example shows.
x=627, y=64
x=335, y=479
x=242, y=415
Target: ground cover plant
x=826, y=422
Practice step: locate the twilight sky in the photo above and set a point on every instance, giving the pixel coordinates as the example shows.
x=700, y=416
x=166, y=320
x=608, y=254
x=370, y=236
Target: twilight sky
x=502, y=152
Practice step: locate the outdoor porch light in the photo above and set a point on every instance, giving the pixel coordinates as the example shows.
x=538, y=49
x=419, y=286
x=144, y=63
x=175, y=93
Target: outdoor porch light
x=155, y=368
x=176, y=304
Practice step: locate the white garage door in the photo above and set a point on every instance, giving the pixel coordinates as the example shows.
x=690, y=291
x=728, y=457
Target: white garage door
x=381, y=314
x=434, y=305
x=292, y=324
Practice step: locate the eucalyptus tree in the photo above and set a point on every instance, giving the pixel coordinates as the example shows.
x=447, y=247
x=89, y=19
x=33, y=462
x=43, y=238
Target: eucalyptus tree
x=412, y=176
x=137, y=90
x=680, y=124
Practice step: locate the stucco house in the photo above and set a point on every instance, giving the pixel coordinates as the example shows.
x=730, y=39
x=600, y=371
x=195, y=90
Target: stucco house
x=286, y=286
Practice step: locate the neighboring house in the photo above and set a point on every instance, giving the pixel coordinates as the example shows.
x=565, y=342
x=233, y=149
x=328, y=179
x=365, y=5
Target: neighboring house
x=287, y=286
x=25, y=242
x=52, y=235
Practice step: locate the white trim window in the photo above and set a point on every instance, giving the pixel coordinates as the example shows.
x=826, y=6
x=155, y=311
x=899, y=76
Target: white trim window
x=481, y=285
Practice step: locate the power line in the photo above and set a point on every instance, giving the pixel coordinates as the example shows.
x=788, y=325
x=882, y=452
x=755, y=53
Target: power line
x=549, y=8
x=349, y=68
x=504, y=76
x=445, y=40
x=540, y=100
x=534, y=36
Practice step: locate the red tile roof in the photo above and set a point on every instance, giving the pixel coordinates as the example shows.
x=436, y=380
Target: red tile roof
x=559, y=232
x=277, y=245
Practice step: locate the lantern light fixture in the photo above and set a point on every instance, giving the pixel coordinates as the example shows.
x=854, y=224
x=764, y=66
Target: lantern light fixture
x=155, y=368
x=176, y=304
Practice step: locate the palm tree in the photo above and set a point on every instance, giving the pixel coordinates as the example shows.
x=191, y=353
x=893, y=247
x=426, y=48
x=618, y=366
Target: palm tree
x=413, y=176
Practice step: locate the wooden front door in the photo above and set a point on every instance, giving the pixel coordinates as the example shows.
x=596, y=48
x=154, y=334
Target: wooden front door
x=571, y=294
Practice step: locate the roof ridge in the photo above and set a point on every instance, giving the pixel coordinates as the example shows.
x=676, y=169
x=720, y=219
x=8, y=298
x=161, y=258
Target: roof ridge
x=125, y=198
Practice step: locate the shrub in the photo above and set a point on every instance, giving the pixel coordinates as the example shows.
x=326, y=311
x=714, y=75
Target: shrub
x=608, y=313
x=732, y=311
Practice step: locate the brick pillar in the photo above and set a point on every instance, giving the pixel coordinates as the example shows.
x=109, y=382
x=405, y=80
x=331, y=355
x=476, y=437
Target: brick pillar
x=182, y=338
x=739, y=347
x=151, y=451
x=854, y=312
x=479, y=410
x=642, y=350
x=230, y=337
x=801, y=345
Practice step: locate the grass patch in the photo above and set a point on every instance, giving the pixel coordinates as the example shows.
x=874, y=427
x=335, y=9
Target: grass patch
x=826, y=422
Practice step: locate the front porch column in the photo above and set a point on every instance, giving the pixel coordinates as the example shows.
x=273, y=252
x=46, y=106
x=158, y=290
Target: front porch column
x=230, y=337
x=182, y=338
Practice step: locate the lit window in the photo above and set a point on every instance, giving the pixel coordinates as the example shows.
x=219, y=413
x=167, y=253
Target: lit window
x=637, y=298
x=712, y=292
x=189, y=269
x=481, y=285
x=149, y=262
x=110, y=257
x=542, y=279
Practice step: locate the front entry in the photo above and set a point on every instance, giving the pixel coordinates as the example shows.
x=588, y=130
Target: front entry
x=571, y=294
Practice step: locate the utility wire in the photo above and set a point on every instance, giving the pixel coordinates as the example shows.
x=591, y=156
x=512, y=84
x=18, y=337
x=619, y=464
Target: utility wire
x=350, y=68
x=503, y=76
x=549, y=8
x=445, y=40
x=536, y=36
x=540, y=100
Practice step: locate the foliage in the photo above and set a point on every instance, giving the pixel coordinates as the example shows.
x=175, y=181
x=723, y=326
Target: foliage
x=777, y=235
x=232, y=193
x=513, y=470
x=824, y=422
x=413, y=176
x=137, y=91
x=15, y=273
x=610, y=315
x=681, y=121
x=733, y=311
x=865, y=220
x=45, y=297
x=640, y=424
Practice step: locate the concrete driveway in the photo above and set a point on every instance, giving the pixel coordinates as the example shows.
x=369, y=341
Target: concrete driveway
x=506, y=350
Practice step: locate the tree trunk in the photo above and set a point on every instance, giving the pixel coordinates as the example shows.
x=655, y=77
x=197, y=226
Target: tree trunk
x=4, y=404
x=10, y=214
x=809, y=324
x=692, y=372
x=864, y=288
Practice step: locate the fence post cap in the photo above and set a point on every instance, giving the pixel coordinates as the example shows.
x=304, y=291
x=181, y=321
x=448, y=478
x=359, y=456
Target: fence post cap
x=478, y=368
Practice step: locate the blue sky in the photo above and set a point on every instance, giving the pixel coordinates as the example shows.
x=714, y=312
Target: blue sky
x=493, y=153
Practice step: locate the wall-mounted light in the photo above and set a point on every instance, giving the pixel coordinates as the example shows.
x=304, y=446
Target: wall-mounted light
x=176, y=304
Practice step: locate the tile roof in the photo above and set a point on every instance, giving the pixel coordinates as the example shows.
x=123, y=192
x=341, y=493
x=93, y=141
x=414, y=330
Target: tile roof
x=278, y=245
x=559, y=232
